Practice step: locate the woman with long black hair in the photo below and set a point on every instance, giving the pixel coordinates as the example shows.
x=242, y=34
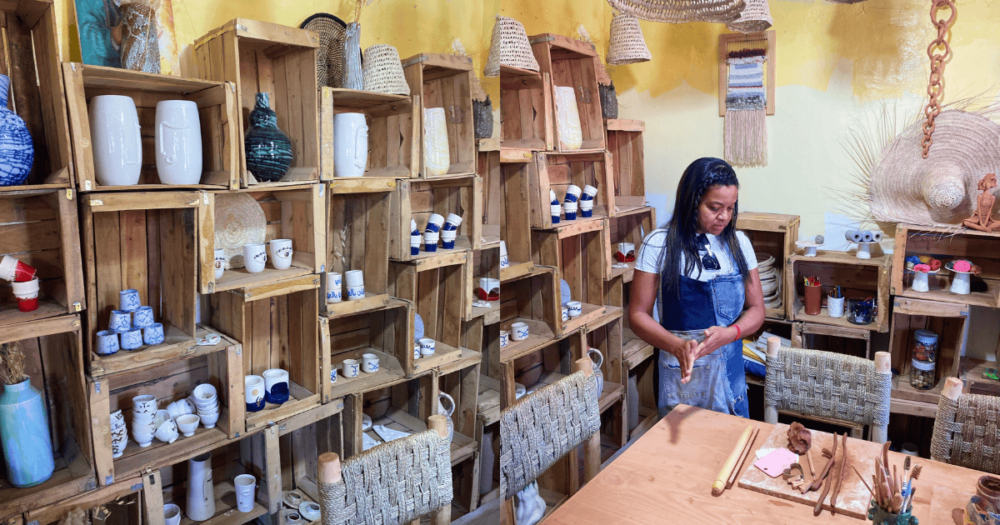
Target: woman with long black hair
x=700, y=274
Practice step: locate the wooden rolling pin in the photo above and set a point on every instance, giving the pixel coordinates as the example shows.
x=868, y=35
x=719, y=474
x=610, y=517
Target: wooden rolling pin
x=734, y=456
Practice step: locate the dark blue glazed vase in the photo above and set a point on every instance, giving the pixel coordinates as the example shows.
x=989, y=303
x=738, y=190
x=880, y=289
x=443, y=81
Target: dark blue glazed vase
x=17, y=153
x=268, y=150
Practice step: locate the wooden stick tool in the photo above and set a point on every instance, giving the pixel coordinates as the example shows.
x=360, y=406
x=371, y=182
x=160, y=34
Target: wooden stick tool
x=730, y=464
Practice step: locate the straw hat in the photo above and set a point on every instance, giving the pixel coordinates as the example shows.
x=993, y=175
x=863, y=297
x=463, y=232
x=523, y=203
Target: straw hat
x=330, y=55
x=509, y=47
x=627, y=44
x=383, y=71
x=680, y=11
x=940, y=190
x=756, y=16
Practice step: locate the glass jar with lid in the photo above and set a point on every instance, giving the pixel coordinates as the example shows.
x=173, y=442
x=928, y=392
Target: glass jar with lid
x=924, y=359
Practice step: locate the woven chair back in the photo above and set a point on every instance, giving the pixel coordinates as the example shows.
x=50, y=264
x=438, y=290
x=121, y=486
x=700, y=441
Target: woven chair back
x=966, y=432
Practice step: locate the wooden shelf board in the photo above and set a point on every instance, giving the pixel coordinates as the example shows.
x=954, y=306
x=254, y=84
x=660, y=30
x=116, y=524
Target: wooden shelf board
x=67, y=480
x=827, y=256
x=577, y=226
x=539, y=336
x=356, y=99
x=488, y=405
x=610, y=314
x=370, y=303
x=611, y=394
x=462, y=447
x=390, y=373
x=589, y=314
x=625, y=210
x=635, y=351
x=908, y=400
x=754, y=380
x=489, y=242
x=377, y=184
x=462, y=243
x=988, y=299
x=824, y=318
x=469, y=358
x=516, y=271
x=241, y=278
x=626, y=273
x=490, y=314
x=159, y=454
x=621, y=124
x=176, y=345
x=975, y=383
x=226, y=512
x=299, y=400
x=443, y=355
x=9, y=314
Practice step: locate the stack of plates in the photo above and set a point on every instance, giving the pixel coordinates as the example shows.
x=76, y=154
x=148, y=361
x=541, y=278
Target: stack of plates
x=770, y=280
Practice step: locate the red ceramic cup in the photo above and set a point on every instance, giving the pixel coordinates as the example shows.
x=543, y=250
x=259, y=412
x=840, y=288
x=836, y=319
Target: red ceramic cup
x=16, y=271
x=27, y=295
x=813, y=299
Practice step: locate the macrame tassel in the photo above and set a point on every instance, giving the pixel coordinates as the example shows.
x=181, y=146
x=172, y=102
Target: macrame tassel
x=746, y=137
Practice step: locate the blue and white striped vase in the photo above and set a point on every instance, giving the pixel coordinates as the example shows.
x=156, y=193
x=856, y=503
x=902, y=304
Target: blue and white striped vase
x=17, y=153
x=24, y=432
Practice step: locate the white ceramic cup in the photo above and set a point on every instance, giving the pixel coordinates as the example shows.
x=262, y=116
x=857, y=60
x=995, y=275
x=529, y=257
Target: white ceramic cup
x=205, y=395
x=117, y=419
x=835, y=306
x=354, y=278
x=504, y=338
x=488, y=284
x=171, y=514
x=142, y=438
x=220, y=263
x=281, y=253
x=246, y=486
x=369, y=363
x=575, y=308
x=586, y=206
x=334, y=287
x=188, y=424
x=178, y=142
x=570, y=208
x=590, y=192
x=355, y=293
x=167, y=431
x=565, y=314
x=416, y=351
x=427, y=347
x=351, y=368
x=253, y=389
x=116, y=141
x=179, y=408
x=520, y=331
x=573, y=193
x=431, y=239
x=144, y=404
x=434, y=222
x=625, y=247
x=504, y=259
x=274, y=376
x=350, y=144
x=452, y=222
x=254, y=257
x=209, y=420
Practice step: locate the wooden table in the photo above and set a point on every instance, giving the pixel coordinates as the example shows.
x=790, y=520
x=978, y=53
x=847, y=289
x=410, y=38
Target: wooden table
x=666, y=477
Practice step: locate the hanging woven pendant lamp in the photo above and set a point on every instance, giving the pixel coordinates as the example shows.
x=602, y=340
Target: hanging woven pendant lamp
x=509, y=47
x=756, y=16
x=627, y=44
x=681, y=11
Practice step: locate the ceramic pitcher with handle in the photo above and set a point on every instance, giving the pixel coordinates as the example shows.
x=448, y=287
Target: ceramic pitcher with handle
x=596, y=363
x=446, y=407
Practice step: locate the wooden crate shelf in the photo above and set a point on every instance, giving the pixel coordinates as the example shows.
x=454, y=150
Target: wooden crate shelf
x=605, y=335
x=445, y=81
x=169, y=382
x=983, y=249
x=507, y=204
x=263, y=57
x=440, y=291
x=581, y=257
x=639, y=372
x=147, y=241
x=526, y=111
x=279, y=328
x=462, y=384
x=950, y=322
x=632, y=226
x=358, y=239
x=488, y=168
x=773, y=234
x=533, y=299
x=852, y=341
x=487, y=435
x=628, y=163
x=121, y=499
x=556, y=172
x=40, y=228
x=292, y=212
x=53, y=351
x=37, y=92
x=217, y=112
x=393, y=122
x=858, y=279
x=418, y=200
x=399, y=407
x=573, y=63
x=971, y=371
x=483, y=264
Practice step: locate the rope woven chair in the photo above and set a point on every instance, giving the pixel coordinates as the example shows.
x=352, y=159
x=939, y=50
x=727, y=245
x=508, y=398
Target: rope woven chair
x=392, y=484
x=541, y=427
x=966, y=432
x=843, y=388
x=681, y=11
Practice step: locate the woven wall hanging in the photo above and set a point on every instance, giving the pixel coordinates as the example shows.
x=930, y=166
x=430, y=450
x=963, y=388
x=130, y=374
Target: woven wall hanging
x=746, y=95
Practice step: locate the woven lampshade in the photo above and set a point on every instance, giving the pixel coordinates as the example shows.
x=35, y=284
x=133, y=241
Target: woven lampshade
x=845, y=1
x=239, y=220
x=681, y=11
x=509, y=47
x=756, y=16
x=383, y=71
x=627, y=44
x=330, y=54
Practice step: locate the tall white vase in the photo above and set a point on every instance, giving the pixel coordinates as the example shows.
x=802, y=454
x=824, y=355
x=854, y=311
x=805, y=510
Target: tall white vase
x=114, y=133
x=350, y=144
x=178, y=142
x=437, y=157
x=200, y=491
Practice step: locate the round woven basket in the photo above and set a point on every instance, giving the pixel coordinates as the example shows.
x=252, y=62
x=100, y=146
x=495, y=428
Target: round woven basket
x=680, y=11
x=627, y=44
x=383, y=71
x=755, y=17
x=239, y=220
x=330, y=55
x=509, y=47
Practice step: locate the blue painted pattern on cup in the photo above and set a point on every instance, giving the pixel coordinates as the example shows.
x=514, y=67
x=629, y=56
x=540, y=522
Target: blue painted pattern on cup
x=153, y=334
x=132, y=339
x=434, y=223
x=128, y=300
x=572, y=193
x=121, y=321
x=334, y=287
x=356, y=292
x=333, y=374
x=142, y=317
x=107, y=342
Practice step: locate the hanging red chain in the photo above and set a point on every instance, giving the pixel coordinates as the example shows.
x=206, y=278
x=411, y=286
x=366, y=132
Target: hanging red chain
x=937, y=67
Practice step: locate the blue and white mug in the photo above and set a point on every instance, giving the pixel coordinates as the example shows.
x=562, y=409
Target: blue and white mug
x=504, y=338
x=555, y=206
x=369, y=363
x=276, y=386
x=132, y=339
x=434, y=223
x=589, y=192
x=153, y=334
x=334, y=287
x=448, y=239
x=504, y=260
x=121, y=321
x=573, y=193
x=333, y=375
x=587, y=208
x=427, y=347
x=570, y=209
x=128, y=300
x=452, y=223
x=431, y=241
x=414, y=238
x=575, y=308
x=142, y=317
x=351, y=368
x=107, y=342
x=521, y=331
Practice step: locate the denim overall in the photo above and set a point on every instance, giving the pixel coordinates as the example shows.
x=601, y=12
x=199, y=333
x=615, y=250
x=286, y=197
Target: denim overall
x=718, y=381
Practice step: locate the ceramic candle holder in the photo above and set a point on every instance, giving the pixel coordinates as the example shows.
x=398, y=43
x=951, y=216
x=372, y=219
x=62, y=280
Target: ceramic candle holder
x=520, y=331
x=281, y=253
x=555, y=206
x=351, y=368
x=132, y=339
x=431, y=241
x=153, y=334
x=142, y=317
x=415, y=238
x=369, y=363
x=589, y=192
x=128, y=300
x=575, y=308
x=107, y=342
x=120, y=321
x=570, y=209
x=253, y=387
x=15, y=271
x=220, y=263
x=586, y=208
x=254, y=257
x=427, y=347
x=334, y=287
x=276, y=386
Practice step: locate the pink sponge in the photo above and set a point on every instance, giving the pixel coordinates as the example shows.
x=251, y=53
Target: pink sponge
x=962, y=266
x=922, y=268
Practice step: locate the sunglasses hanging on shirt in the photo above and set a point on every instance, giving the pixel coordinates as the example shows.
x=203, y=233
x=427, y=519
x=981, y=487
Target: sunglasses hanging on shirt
x=708, y=260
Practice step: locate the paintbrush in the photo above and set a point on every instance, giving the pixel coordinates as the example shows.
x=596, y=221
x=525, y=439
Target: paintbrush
x=862, y=478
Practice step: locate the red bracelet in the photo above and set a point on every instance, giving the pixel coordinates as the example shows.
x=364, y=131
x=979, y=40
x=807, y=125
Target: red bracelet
x=739, y=333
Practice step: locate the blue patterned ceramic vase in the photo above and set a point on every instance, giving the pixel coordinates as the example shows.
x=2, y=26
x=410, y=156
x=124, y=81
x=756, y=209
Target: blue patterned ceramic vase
x=268, y=150
x=17, y=153
x=24, y=430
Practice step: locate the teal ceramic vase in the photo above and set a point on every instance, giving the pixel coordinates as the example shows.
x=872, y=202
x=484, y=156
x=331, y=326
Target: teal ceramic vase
x=879, y=516
x=268, y=150
x=24, y=432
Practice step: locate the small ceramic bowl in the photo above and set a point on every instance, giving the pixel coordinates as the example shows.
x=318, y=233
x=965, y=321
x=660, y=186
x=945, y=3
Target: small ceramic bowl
x=188, y=423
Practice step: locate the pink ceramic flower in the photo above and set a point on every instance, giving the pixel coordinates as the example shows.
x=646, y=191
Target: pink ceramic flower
x=922, y=268
x=962, y=266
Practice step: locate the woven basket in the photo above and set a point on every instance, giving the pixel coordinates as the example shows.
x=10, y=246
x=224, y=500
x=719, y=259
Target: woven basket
x=383, y=71
x=330, y=55
x=627, y=44
x=754, y=18
x=680, y=11
x=239, y=220
x=509, y=47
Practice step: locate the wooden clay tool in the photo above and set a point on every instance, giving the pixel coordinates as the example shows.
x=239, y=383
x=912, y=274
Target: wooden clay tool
x=727, y=468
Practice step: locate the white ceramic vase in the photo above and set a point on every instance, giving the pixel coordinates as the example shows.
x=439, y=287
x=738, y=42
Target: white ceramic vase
x=178, y=142
x=350, y=144
x=200, y=491
x=437, y=156
x=114, y=133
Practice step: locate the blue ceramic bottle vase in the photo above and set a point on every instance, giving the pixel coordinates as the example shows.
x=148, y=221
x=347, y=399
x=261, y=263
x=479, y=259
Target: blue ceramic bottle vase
x=24, y=433
x=268, y=150
x=17, y=152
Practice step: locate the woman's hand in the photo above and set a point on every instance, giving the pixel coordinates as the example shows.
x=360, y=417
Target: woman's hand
x=687, y=353
x=716, y=337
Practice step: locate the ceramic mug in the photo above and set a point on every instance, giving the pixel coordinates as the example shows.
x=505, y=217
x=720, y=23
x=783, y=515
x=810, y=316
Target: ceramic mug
x=245, y=485
x=448, y=239
x=253, y=391
x=556, y=207
x=117, y=419
x=575, y=308
x=355, y=281
x=835, y=306
x=142, y=317
x=107, y=342
x=504, y=338
x=281, y=253
x=171, y=514
x=589, y=192
x=520, y=330
x=333, y=375
x=415, y=242
x=15, y=271
x=504, y=259
x=178, y=142
x=132, y=339
x=167, y=431
x=116, y=140
x=334, y=287
x=431, y=241
x=434, y=222
x=565, y=314
x=370, y=363
x=573, y=193
x=120, y=321
x=254, y=257
x=26, y=294
x=143, y=404
x=351, y=368
x=275, y=385
x=427, y=347
x=587, y=208
x=220, y=263
x=416, y=351
x=570, y=209
x=153, y=334
x=350, y=144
